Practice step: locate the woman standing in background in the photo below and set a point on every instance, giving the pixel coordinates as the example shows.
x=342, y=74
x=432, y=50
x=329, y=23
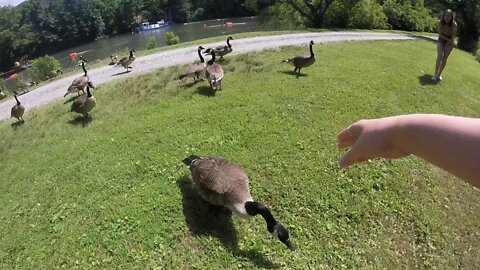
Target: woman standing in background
x=447, y=31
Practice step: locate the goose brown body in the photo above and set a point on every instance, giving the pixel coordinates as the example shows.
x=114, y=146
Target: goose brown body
x=127, y=61
x=300, y=62
x=221, y=182
x=214, y=72
x=17, y=110
x=195, y=70
x=79, y=83
x=224, y=50
x=84, y=103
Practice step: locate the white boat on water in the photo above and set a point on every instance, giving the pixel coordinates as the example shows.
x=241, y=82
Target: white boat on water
x=146, y=26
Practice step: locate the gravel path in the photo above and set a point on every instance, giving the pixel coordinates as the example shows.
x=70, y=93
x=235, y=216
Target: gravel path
x=55, y=90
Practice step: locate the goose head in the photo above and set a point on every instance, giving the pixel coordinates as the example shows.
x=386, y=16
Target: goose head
x=283, y=236
x=90, y=84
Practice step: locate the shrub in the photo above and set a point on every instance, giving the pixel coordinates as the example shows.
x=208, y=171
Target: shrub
x=152, y=43
x=172, y=38
x=477, y=56
x=43, y=67
x=368, y=14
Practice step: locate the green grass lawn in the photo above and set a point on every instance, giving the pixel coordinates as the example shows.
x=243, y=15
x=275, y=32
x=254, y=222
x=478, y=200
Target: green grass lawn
x=112, y=192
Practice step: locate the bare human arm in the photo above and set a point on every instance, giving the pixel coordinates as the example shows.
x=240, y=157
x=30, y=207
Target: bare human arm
x=454, y=34
x=449, y=142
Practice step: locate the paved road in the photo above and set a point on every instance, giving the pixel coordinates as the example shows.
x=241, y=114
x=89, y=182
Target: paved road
x=56, y=89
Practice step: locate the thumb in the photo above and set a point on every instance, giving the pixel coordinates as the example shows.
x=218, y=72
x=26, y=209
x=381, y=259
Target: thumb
x=351, y=157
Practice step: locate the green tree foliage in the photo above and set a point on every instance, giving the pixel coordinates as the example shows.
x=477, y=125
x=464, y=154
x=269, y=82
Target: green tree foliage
x=152, y=43
x=313, y=12
x=44, y=67
x=368, y=14
x=409, y=15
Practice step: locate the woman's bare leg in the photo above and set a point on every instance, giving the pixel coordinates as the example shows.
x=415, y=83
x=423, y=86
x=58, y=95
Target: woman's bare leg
x=448, y=50
x=440, y=52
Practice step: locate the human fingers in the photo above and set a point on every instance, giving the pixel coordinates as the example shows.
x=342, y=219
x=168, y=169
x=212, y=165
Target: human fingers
x=355, y=155
x=348, y=136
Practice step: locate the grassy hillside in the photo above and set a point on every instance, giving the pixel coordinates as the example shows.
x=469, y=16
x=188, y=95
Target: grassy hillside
x=111, y=192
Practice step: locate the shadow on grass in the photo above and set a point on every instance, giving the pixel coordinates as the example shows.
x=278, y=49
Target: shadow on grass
x=206, y=91
x=224, y=61
x=81, y=120
x=426, y=80
x=72, y=98
x=17, y=124
x=204, y=219
x=293, y=73
x=121, y=73
x=191, y=83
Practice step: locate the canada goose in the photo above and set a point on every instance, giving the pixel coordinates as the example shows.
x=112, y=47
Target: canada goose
x=113, y=59
x=84, y=103
x=214, y=72
x=79, y=83
x=79, y=62
x=194, y=70
x=24, y=85
x=222, y=182
x=31, y=84
x=18, y=110
x=224, y=50
x=300, y=62
x=127, y=61
x=52, y=74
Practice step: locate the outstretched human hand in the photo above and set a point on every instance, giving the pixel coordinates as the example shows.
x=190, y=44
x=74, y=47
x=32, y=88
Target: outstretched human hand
x=369, y=139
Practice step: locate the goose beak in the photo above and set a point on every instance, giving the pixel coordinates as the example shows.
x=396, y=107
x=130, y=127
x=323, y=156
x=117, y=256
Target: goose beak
x=290, y=245
x=282, y=234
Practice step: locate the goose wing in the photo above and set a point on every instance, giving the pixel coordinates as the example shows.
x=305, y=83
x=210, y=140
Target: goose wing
x=214, y=72
x=17, y=111
x=78, y=84
x=194, y=68
x=78, y=103
x=220, y=181
x=123, y=61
